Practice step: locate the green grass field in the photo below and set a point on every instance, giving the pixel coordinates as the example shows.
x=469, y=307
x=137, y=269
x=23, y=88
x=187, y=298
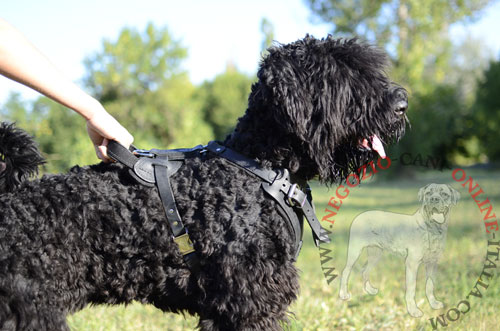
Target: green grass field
x=319, y=308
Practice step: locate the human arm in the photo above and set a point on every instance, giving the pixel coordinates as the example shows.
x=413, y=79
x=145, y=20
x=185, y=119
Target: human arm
x=22, y=62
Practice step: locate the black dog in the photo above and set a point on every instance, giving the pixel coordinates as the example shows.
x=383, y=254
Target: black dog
x=320, y=108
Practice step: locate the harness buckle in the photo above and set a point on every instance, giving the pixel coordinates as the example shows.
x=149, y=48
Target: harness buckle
x=295, y=196
x=143, y=152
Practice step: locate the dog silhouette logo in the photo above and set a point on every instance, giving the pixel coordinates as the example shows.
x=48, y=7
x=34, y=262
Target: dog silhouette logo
x=420, y=238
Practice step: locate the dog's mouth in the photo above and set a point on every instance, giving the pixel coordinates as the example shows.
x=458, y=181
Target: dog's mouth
x=438, y=214
x=373, y=143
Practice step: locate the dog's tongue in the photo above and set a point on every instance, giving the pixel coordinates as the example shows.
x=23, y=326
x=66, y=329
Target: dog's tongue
x=438, y=217
x=376, y=145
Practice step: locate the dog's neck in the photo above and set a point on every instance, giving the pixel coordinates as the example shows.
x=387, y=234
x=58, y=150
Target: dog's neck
x=271, y=149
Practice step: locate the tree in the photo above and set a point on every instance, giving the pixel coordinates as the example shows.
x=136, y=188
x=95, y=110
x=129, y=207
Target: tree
x=134, y=64
x=60, y=133
x=140, y=80
x=486, y=118
x=267, y=30
x=414, y=32
x=224, y=100
x=16, y=110
x=437, y=126
x=470, y=60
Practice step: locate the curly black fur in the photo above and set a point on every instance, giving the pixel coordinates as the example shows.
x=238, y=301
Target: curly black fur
x=96, y=236
x=19, y=157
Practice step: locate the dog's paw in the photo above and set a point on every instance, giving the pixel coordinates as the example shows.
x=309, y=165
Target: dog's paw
x=415, y=312
x=370, y=289
x=435, y=304
x=344, y=295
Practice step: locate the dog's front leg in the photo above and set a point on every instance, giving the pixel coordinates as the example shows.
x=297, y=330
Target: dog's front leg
x=430, y=270
x=412, y=263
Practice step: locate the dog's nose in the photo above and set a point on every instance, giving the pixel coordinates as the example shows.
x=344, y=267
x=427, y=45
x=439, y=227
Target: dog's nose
x=401, y=107
x=435, y=199
x=399, y=97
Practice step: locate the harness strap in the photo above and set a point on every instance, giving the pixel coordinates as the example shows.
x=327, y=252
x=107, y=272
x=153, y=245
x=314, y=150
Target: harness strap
x=180, y=233
x=158, y=170
x=287, y=212
x=244, y=162
x=280, y=183
x=167, y=197
x=119, y=153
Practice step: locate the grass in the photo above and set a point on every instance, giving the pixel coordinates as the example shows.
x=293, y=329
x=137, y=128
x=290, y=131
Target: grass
x=318, y=306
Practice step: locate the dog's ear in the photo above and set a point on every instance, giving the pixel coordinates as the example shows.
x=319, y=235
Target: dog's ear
x=455, y=195
x=421, y=192
x=283, y=81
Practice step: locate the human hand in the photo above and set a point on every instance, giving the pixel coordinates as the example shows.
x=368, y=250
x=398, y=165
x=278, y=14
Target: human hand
x=22, y=62
x=103, y=127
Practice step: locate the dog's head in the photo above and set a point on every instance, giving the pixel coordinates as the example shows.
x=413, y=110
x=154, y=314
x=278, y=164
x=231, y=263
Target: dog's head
x=437, y=200
x=321, y=108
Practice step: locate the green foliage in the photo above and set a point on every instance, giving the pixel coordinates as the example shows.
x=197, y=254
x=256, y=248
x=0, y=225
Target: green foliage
x=224, y=100
x=16, y=110
x=470, y=59
x=267, y=30
x=437, y=125
x=486, y=117
x=139, y=80
x=415, y=32
x=61, y=134
x=133, y=64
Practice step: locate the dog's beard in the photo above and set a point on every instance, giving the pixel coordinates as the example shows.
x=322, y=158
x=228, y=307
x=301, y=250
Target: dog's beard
x=355, y=152
x=391, y=134
x=396, y=130
x=349, y=159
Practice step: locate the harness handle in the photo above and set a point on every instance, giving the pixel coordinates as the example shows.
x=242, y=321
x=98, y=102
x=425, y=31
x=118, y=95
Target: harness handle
x=119, y=153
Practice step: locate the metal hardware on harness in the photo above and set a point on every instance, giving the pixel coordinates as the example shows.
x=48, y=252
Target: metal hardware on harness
x=143, y=152
x=294, y=221
x=293, y=196
x=185, y=244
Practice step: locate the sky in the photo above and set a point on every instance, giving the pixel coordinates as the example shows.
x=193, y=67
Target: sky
x=215, y=32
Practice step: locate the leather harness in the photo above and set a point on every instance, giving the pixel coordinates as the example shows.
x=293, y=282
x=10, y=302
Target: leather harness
x=155, y=167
